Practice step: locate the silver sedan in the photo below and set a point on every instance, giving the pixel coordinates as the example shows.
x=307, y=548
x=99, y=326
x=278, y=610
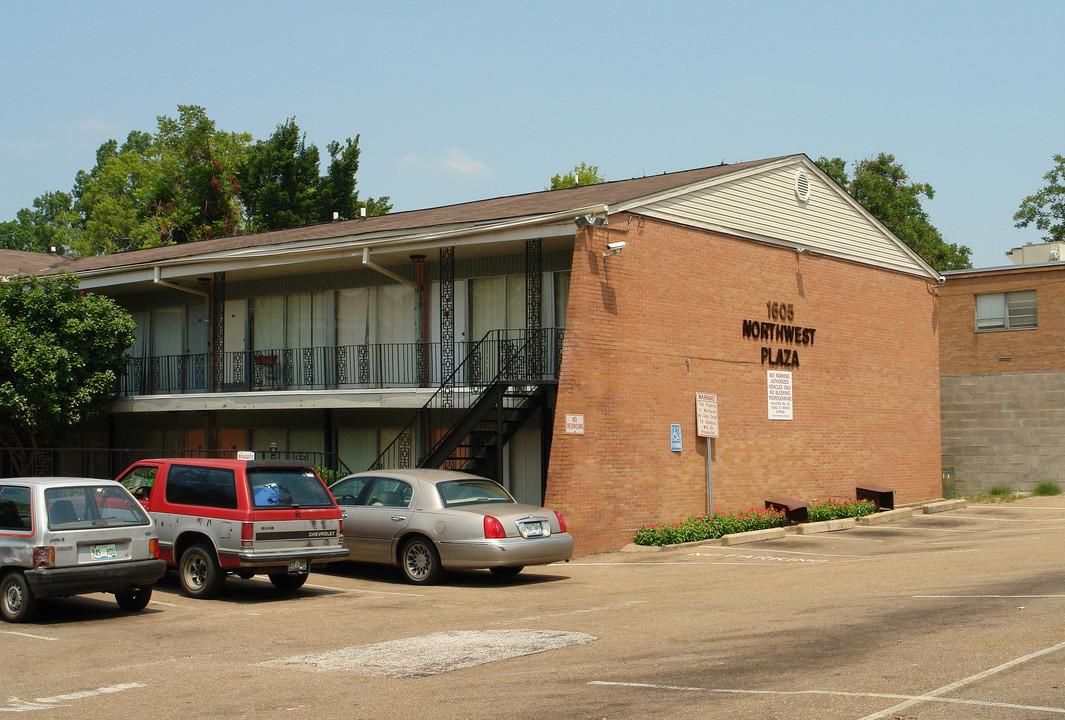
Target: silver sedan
x=428, y=521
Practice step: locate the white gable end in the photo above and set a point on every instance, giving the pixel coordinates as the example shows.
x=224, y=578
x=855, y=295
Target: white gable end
x=765, y=206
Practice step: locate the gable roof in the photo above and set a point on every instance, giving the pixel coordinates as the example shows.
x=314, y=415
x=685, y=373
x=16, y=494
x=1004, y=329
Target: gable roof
x=747, y=200
x=545, y=202
x=19, y=262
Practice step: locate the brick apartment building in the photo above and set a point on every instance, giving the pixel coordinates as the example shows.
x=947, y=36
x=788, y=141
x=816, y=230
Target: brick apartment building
x=1002, y=385
x=556, y=342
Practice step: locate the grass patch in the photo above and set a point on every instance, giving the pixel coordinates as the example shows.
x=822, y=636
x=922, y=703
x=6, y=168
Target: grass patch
x=996, y=493
x=1044, y=489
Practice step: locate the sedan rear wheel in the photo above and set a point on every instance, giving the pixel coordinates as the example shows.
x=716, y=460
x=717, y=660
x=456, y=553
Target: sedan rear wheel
x=510, y=571
x=420, y=561
x=17, y=603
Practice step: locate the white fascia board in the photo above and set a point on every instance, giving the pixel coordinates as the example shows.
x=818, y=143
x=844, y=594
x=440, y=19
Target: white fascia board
x=401, y=398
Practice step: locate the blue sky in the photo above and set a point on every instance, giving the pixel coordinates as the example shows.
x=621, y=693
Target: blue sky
x=460, y=101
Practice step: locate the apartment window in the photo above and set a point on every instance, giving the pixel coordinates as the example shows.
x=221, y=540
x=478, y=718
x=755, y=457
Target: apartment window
x=1005, y=311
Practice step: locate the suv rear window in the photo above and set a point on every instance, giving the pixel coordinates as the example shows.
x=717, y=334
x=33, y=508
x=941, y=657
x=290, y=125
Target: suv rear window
x=287, y=487
x=88, y=506
x=203, y=486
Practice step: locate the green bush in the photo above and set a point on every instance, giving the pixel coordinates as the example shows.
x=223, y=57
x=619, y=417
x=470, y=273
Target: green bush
x=1046, y=488
x=833, y=509
x=999, y=491
x=709, y=527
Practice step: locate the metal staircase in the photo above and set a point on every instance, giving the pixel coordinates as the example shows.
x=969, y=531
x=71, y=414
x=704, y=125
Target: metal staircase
x=506, y=377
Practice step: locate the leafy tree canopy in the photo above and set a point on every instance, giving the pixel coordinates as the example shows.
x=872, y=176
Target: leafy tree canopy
x=580, y=175
x=1046, y=208
x=61, y=352
x=883, y=188
x=189, y=181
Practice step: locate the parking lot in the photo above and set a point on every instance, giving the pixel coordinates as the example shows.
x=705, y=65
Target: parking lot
x=958, y=614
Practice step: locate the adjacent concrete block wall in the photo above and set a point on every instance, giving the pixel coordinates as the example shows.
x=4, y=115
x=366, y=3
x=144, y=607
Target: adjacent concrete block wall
x=1003, y=429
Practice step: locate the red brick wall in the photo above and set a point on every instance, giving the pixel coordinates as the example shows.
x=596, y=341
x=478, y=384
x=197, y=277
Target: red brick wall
x=967, y=352
x=649, y=328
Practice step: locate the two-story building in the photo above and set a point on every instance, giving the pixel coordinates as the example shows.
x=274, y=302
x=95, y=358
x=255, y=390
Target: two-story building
x=556, y=341
x=1003, y=377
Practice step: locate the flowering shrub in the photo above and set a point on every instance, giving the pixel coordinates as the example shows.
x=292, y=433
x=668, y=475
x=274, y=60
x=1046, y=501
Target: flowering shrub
x=833, y=509
x=709, y=527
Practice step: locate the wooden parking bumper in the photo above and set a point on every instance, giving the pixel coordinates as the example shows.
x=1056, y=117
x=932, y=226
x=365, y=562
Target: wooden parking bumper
x=881, y=496
x=796, y=511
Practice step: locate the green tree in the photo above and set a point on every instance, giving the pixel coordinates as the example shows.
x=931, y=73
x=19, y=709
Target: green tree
x=279, y=181
x=61, y=353
x=1046, y=208
x=51, y=223
x=883, y=188
x=580, y=175
x=336, y=189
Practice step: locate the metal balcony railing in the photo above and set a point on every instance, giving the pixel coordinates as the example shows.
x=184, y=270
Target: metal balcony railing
x=384, y=365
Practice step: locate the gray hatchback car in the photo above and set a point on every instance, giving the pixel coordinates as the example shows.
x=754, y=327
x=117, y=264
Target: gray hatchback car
x=70, y=536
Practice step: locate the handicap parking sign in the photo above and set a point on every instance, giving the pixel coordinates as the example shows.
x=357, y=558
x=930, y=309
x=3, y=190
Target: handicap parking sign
x=674, y=437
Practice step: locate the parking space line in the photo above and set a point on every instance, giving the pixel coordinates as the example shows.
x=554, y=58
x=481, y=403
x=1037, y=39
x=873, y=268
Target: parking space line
x=966, y=597
x=22, y=634
x=15, y=704
x=838, y=693
x=533, y=618
x=359, y=590
x=943, y=690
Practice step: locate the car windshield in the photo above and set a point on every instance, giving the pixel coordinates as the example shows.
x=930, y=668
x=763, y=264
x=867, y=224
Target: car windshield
x=287, y=487
x=469, y=492
x=88, y=506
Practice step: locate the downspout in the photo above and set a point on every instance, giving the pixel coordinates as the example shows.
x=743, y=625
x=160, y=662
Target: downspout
x=158, y=280
x=384, y=271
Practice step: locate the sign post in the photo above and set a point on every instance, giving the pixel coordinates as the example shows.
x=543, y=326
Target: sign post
x=707, y=425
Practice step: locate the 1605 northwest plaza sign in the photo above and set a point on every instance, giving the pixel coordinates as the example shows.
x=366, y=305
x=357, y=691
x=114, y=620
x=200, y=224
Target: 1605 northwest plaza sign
x=779, y=330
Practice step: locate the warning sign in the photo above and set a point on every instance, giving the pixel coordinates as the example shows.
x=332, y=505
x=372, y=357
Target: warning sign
x=779, y=389
x=706, y=415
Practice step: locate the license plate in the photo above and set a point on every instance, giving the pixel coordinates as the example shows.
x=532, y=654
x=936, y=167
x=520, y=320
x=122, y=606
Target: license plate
x=103, y=552
x=295, y=567
x=534, y=529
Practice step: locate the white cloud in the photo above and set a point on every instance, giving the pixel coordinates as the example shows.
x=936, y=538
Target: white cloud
x=453, y=161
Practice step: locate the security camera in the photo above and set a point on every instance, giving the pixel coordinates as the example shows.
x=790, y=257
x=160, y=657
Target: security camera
x=616, y=246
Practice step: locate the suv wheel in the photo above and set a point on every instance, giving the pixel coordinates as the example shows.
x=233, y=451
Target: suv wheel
x=420, y=561
x=288, y=583
x=135, y=599
x=200, y=575
x=17, y=603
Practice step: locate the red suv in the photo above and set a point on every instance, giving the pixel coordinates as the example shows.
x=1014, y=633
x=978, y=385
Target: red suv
x=247, y=517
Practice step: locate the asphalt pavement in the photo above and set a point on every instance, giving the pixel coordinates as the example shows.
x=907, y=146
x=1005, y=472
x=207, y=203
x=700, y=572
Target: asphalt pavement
x=958, y=614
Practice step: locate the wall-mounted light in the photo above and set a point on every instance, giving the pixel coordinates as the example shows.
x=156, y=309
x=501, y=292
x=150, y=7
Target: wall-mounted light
x=584, y=221
x=615, y=248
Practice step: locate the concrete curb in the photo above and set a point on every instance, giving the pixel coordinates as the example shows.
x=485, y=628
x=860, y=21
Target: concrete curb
x=880, y=518
x=887, y=516
x=943, y=506
x=752, y=536
x=823, y=526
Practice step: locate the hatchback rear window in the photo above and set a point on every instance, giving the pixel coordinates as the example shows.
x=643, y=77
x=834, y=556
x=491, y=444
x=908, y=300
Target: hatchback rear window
x=469, y=492
x=89, y=506
x=287, y=487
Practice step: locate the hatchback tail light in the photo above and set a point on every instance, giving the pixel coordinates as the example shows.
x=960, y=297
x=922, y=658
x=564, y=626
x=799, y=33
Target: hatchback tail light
x=153, y=548
x=43, y=557
x=493, y=529
x=561, y=522
x=247, y=535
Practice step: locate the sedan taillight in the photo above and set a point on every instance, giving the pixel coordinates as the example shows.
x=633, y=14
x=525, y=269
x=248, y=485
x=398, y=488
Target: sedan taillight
x=43, y=557
x=493, y=529
x=561, y=522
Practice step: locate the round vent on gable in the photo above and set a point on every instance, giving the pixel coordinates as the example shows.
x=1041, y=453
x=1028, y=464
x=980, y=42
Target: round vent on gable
x=802, y=186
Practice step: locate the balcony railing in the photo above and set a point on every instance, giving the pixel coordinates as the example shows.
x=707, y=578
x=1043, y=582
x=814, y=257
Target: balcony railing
x=385, y=365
